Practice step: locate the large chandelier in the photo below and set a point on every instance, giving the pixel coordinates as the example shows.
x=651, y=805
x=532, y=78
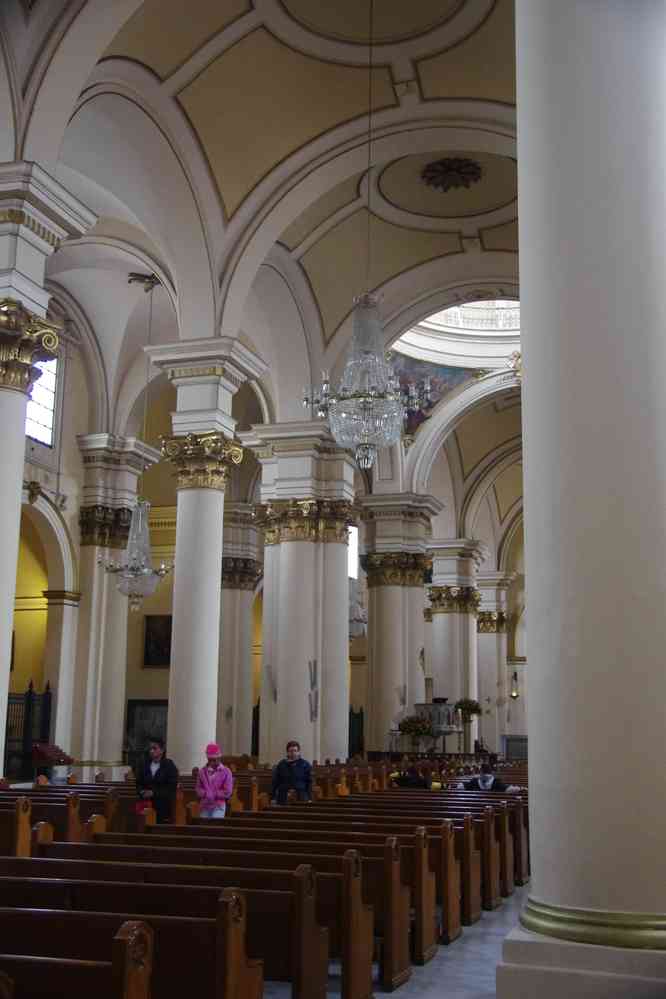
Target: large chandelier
x=365, y=412
x=137, y=578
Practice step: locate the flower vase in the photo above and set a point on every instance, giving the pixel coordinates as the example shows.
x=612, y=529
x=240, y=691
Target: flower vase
x=59, y=774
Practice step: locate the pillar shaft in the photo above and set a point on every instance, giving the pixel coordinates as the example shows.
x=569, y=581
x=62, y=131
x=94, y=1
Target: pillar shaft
x=59, y=660
x=594, y=311
x=334, y=729
x=235, y=702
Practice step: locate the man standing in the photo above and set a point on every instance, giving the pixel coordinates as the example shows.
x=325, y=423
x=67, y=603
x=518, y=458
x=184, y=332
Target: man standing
x=292, y=773
x=157, y=779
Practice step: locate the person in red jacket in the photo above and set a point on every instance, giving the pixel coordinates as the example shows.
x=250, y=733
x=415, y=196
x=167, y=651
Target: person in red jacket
x=214, y=784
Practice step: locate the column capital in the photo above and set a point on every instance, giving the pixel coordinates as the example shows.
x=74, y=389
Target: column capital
x=240, y=573
x=202, y=461
x=491, y=622
x=427, y=615
x=25, y=338
x=206, y=374
x=240, y=538
x=394, y=568
x=456, y=560
x=454, y=599
x=306, y=520
x=37, y=214
x=104, y=526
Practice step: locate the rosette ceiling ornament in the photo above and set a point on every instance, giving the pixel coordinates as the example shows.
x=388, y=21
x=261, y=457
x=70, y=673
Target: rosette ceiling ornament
x=367, y=408
x=137, y=577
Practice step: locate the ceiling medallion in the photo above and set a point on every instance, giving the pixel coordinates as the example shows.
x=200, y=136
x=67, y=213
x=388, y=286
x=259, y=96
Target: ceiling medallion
x=451, y=173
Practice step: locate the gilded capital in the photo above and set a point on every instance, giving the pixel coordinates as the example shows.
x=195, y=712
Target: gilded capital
x=104, y=526
x=202, y=461
x=24, y=340
x=427, y=615
x=395, y=568
x=491, y=622
x=240, y=573
x=306, y=520
x=454, y=599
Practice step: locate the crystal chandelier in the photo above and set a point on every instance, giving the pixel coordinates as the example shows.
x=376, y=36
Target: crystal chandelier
x=136, y=576
x=365, y=412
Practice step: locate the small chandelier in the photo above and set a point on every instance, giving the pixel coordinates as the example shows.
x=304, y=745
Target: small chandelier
x=365, y=411
x=136, y=576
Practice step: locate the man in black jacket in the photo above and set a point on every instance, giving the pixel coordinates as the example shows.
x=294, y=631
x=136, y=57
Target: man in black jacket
x=156, y=780
x=292, y=773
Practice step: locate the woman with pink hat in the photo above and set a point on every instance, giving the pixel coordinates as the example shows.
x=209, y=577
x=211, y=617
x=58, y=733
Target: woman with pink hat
x=214, y=784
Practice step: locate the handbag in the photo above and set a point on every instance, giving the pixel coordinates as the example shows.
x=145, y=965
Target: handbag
x=141, y=807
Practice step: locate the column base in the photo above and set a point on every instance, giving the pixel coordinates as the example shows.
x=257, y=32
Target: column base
x=534, y=965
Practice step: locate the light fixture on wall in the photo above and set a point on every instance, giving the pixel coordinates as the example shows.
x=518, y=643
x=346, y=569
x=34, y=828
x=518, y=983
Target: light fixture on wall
x=366, y=410
x=514, y=693
x=137, y=578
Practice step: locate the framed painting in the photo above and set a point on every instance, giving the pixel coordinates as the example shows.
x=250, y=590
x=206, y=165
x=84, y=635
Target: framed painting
x=157, y=641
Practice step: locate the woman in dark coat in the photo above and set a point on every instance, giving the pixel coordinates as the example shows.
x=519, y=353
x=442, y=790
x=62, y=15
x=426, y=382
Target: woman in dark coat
x=156, y=780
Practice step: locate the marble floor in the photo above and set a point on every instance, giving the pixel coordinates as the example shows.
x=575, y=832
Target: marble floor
x=465, y=970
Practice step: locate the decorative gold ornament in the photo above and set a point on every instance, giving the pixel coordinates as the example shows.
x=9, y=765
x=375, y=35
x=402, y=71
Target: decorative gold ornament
x=491, y=622
x=395, y=568
x=454, y=599
x=202, y=461
x=104, y=526
x=24, y=340
x=427, y=615
x=240, y=573
x=594, y=926
x=306, y=520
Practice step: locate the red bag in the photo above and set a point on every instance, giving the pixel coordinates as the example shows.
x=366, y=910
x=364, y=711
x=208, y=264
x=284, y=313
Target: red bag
x=141, y=807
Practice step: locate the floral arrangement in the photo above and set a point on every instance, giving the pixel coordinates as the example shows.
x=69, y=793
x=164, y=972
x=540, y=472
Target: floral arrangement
x=468, y=707
x=418, y=726
x=45, y=754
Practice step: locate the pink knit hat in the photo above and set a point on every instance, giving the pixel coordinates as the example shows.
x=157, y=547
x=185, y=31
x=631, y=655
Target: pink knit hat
x=212, y=749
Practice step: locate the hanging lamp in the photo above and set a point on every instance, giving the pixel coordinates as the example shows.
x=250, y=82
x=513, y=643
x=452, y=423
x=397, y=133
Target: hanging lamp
x=137, y=577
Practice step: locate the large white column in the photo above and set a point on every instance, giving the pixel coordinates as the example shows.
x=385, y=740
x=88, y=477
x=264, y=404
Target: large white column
x=591, y=156
x=202, y=462
x=112, y=466
x=307, y=489
x=234, y=713
x=387, y=652
x=492, y=622
x=60, y=658
x=24, y=339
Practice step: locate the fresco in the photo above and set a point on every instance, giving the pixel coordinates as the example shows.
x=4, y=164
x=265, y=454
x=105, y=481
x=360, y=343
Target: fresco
x=443, y=380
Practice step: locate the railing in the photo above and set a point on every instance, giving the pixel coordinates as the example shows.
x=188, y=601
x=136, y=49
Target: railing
x=28, y=722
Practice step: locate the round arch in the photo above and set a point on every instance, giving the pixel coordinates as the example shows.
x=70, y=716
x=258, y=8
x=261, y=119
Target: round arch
x=503, y=459
x=61, y=562
x=445, y=418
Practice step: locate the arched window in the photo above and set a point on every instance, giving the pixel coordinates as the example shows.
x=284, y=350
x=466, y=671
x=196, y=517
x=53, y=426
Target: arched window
x=40, y=415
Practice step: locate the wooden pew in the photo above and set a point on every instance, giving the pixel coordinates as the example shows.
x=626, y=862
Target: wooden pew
x=15, y=824
x=215, y=963
x=282, y=926
x=62, y=811
x=127, y=975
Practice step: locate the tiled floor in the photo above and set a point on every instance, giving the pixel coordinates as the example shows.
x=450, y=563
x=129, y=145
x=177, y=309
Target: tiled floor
x=465, y=970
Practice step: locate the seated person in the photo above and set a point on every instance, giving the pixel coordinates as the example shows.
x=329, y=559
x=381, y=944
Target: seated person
x=411, y=778
x=486, y=781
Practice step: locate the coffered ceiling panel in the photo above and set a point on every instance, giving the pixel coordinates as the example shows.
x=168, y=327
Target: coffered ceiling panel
x=322, y=209
x=484, y=430
x=482, y=67
x=163, y=34
x=393, y=20
x=261, y=100
x=402, y=185
x=336, y=264
x=509, y=488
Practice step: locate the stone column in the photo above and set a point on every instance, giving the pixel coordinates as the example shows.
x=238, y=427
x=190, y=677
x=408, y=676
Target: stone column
x=24, y=339
x=307, y=492
x=454, y=601
x=590, y=79
x=427, y=648
x=240, y=573
x=60, y=658
x=202, y=463
x=308, y=613
x=112, y=467
x=491, y=625
x=395, y=586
